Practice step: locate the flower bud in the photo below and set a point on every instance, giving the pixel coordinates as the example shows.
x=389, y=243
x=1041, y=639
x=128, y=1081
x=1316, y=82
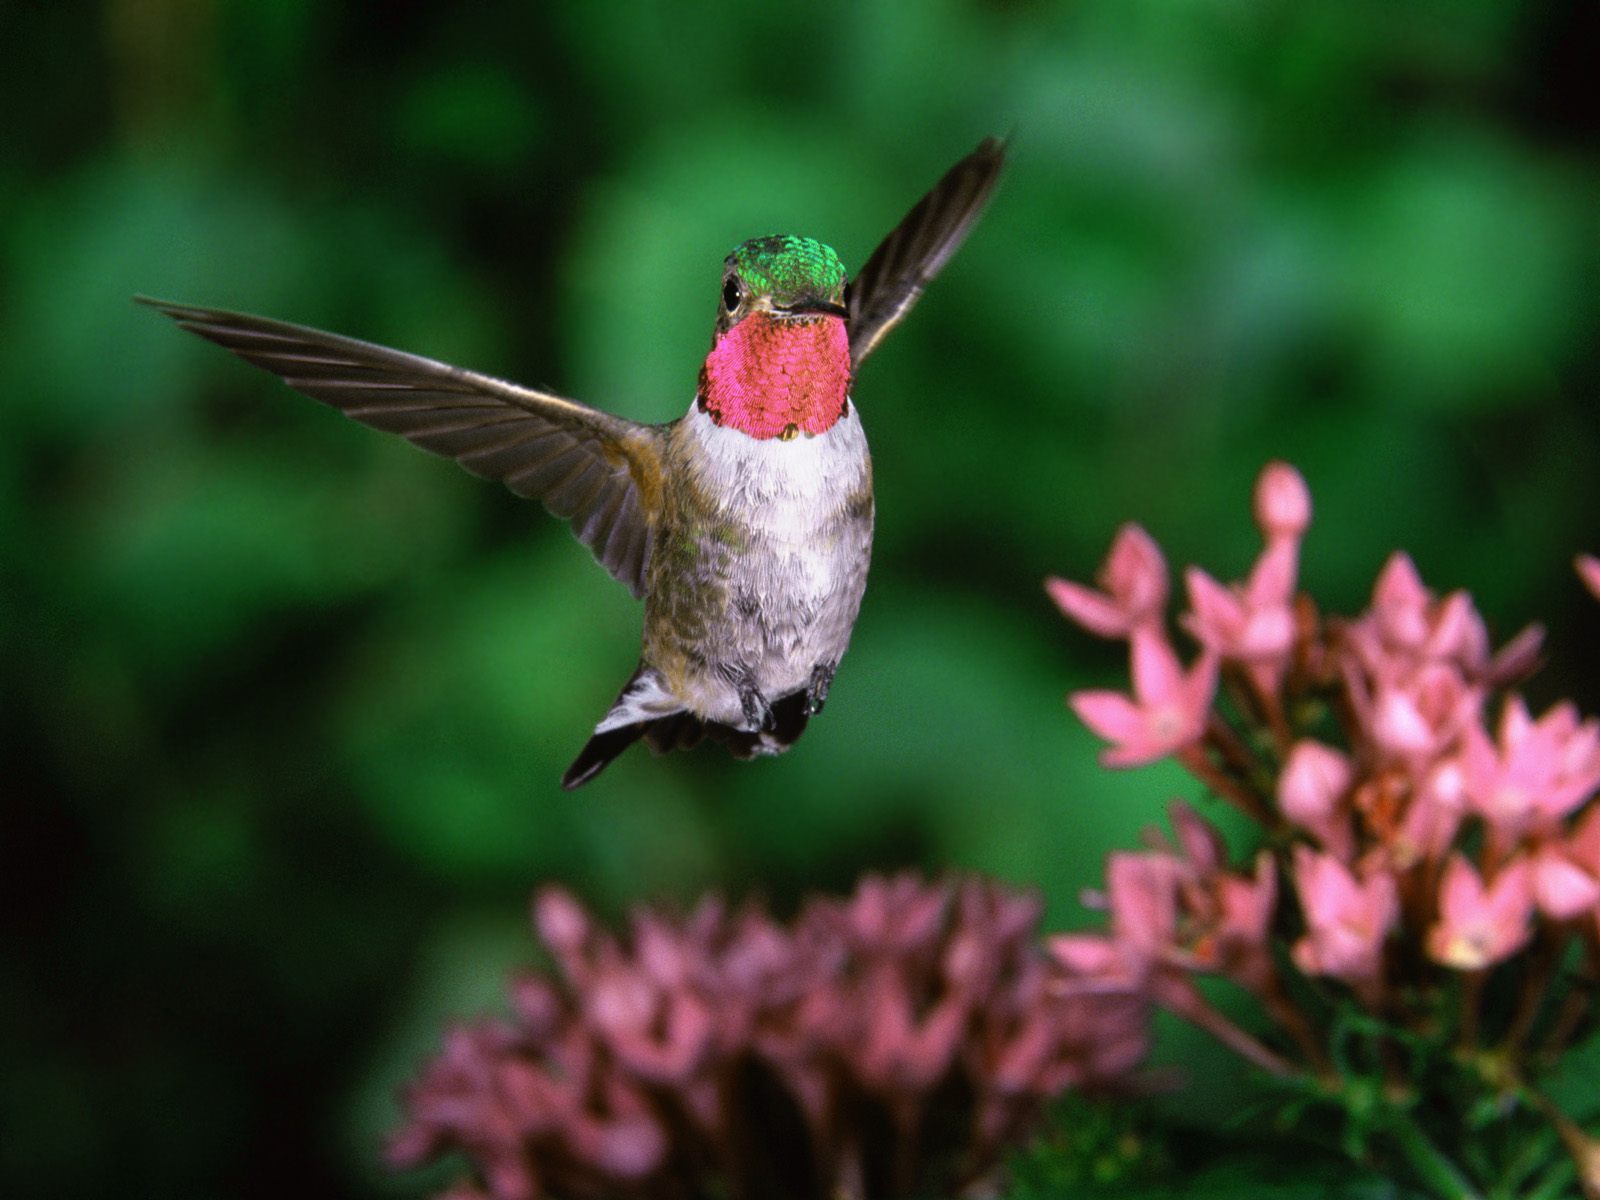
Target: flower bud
x=1282, y=501
x=1313, y=780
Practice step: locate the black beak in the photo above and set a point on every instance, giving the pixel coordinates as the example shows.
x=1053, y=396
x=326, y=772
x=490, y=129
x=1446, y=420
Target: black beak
x=816, y=306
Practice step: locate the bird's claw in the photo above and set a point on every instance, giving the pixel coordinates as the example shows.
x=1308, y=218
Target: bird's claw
x=757, y=712
x=817, y=689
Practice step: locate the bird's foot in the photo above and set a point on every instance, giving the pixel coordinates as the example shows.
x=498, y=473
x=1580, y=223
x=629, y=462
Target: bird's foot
x=757, y=712
x=817, y=689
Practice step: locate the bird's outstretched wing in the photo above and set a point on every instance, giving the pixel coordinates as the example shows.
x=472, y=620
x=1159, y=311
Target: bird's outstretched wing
x=917, y=248
x=598, y=471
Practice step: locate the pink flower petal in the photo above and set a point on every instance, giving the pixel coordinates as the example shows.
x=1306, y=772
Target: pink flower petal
x=1217, y=616
x=1588, y=568
x=1136, y=572
x=1518, y=658
x=1199, y=840
x=1399, y=726
x=1272, y=579
x=1089, y=954
x=1199, y=689
x=1111, y=715
x=1400, y=587
x=1136, y=754
x=1248, y=904
x=1157, y=674
x=1458, y=632
x=1092, y=610
x=1561, y=888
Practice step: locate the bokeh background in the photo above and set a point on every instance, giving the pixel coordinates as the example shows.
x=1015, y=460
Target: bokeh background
x=283, y=702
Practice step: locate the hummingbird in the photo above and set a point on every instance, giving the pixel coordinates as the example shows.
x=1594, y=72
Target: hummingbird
x=745, y=524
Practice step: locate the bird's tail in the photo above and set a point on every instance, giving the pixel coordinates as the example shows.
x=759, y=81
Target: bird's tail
x=645, y=709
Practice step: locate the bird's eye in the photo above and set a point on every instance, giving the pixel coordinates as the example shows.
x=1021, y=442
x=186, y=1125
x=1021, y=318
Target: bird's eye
x=731, y=292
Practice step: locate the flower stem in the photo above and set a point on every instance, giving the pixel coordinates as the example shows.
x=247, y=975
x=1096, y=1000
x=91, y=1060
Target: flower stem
x=1546, y=957
x=1198, y=764
x=1283, y=1010
x=1194, y=1008
x=1471, y=1004
x=1575, y=1009
x=1230, y=746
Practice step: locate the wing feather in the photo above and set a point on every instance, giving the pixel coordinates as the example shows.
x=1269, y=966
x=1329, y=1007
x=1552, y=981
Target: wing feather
x=916, y=250
x=590, y=467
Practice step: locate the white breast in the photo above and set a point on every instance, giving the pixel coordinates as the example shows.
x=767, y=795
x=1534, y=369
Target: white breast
x=786, y=489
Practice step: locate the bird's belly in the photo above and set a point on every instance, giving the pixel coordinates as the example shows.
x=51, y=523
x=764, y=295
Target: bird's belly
x=788, y=607
x=772, y=553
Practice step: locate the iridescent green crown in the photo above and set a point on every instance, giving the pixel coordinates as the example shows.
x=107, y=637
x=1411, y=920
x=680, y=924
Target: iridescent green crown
x=789, y=269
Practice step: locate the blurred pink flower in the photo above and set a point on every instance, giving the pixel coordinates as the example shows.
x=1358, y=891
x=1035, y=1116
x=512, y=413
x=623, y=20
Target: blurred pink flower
x=1566, y=871
x=1347, y=920
x=1133, y=580
x=639, y=1069
x=1251, y=624
x=1167, y=711
x=1248, y=902
x=1222, y=919
x=1239, y=943
x=1588, y=567
x=1563, y=888
x=1093, y=1035
x=1141, y=898
x=1432, y=817
x=1173, y=913
x=1369, y=735
x=1406, y=620
x=1536, y=772
x=1419, y=715
x=1479, y=926
x=1199, y=843
x=1312, y=791
x=1401, y=603
x=1142, y=893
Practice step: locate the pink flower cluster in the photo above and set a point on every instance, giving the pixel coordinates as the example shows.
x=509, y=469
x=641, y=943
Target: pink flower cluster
x=1424, y=826
x=891, y=1044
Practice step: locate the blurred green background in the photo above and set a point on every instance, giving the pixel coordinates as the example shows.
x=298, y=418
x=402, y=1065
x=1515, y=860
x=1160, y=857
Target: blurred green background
x=284, y=702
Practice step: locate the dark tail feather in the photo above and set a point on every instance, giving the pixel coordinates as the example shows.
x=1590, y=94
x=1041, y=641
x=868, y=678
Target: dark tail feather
x=598, y=752
x=602, y=747
x=684, y=731
x=680, y=731
x=789, y=719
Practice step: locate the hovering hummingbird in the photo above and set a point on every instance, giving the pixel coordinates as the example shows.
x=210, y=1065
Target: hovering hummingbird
x=746, y=524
